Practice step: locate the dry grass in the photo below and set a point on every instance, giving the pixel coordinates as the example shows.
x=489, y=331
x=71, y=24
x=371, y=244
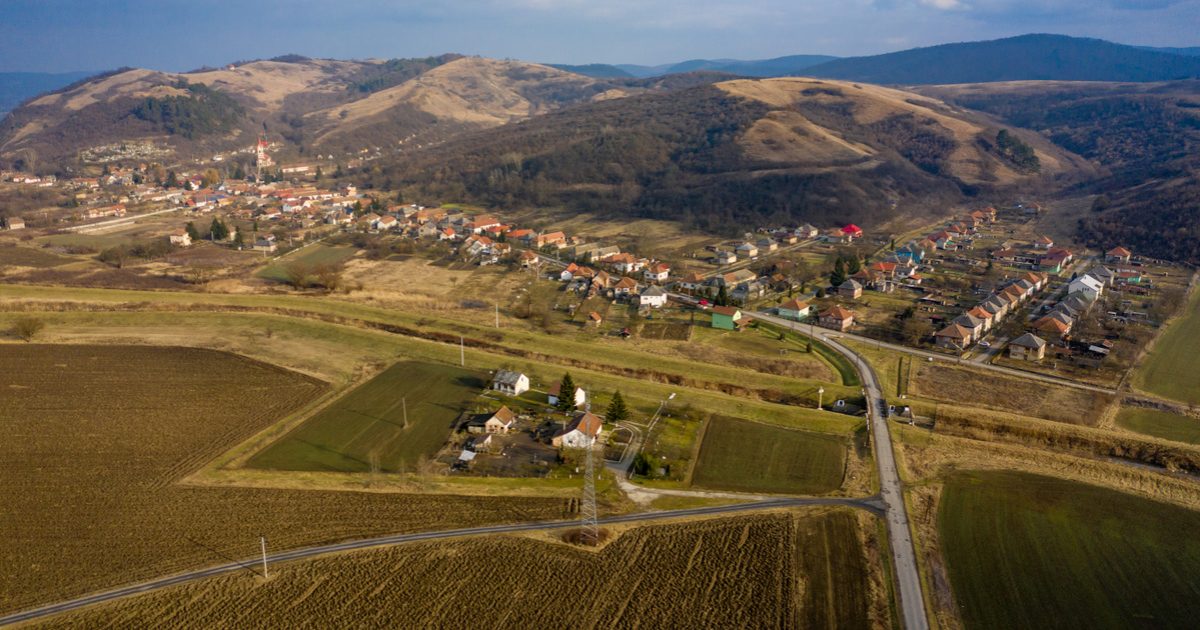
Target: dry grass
x=782, y=570
x=956, y=384
x=97, y=437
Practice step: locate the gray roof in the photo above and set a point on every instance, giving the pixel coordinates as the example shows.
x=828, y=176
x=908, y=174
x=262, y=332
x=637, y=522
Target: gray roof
x=654, y=291
x=850, y=284
x=507, y=377
x=968, y=320
x=1029, y=340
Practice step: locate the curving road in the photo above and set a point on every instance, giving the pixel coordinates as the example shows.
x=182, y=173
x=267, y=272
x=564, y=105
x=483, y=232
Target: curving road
x=904, y=557
x=252, y=564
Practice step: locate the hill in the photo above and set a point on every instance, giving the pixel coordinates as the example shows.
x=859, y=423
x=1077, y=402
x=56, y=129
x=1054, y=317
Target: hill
x=16, y=87
x=777, y=67
x=594, y=70
x=733, y=155
x=304, y=104
x=1147, y=135
x=1027, y=57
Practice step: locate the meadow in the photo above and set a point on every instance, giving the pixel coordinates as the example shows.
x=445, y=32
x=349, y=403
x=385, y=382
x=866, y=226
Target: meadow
x=394, y=420
x=1171, y=367
x=752, y=457
x=1024, y=550
x=783, y=570
x=1160, y=424
x=98, y=438
x=312, y=256
x=29, y=257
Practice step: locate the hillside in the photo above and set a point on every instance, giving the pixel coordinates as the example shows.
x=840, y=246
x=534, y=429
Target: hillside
x=466, y=93
x=1027, y=57
x=789, y=65
x=735, y=154
x=1146, y=134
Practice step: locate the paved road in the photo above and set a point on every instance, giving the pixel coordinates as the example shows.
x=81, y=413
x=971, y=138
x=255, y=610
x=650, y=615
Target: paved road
x=120, y=221
x=253, y=564
x=904, y=557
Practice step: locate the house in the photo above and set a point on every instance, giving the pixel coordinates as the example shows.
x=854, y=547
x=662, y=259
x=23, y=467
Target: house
x=658, y=272
x=953, y=337
x=1043, y=242
x=1118, y=256
x=180, y=237
x=583, y=431
x=795, y=310
x=510, y=382
x=625, y=287
x=265, y=243
x=726, y=258
x=747, y=250
x=388, y=222
x=981, y=313
x=501, y=421
x=1055, y=260
x=766, y=245
x=836, y=318
x=912, y=252
x=1087, y=284
x=550, y=239
x=852, y=231
x=726, y=317
x=594, y=319
x=653, y=297
x=971, y=323
x=528, y=259
x=478, y=443
x=807, y=231
x=850, y=289
x=568, y=274
x=1056, y=324
x=691, y=282
x=14, y=223
x=555, y=392
x=1027, y=347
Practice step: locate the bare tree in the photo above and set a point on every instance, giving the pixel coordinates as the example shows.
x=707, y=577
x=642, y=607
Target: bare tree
x=27, y=328
x=297, y=274
x=329, y=275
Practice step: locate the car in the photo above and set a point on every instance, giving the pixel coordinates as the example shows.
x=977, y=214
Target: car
x=703, y=302
x=984, y=344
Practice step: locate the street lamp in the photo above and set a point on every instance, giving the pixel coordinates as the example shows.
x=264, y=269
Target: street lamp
x=820, y=396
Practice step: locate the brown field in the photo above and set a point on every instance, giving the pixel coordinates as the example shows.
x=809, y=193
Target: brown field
x=782, y=570
x=97, y=438
x=1006, y=393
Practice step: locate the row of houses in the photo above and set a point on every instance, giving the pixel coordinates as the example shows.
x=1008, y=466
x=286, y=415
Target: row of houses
x=972, y=325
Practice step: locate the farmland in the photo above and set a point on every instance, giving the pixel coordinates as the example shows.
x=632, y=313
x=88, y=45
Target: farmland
x=752, y=457
x=1022, y=549
x=785, y=570
x=1161, y=424
x=1007, y=393
x=97, y=439
x=1170, y=367
x=312, y=256
x=30, y=257
x=370, y=422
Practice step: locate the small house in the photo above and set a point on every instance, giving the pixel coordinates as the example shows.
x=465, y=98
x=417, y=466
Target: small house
x=726, y=317
x=850, y=289
x=180, y=237
x=836, y=318
x=1027, y=347
x=726, y=258
x=583, y=431
x=747, y=250
x=552, y=396
x=501, y=421
x=953, y=337
x=510, y=382
x=265, y=243
x=653, y=297
x=14, y=223
x=795, y=310
x=1118, y=256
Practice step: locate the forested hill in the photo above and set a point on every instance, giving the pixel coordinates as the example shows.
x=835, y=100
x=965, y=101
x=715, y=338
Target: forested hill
x=735, y=155
x=1027, y=57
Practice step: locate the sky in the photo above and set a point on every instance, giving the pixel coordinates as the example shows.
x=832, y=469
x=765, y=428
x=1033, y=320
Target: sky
x=176, y=35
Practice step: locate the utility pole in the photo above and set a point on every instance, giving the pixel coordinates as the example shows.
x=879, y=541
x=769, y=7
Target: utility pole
x=497, y=314
x=404, y=404
x=462, y=352
x=820, y=397
x=263, y=541
x=590, y=526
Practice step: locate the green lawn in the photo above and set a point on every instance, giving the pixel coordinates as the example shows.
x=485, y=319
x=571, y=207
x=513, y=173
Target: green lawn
x=1025, y=551
x=313, y=256
x=370, y=419
x=1170, y=368
x=1160, y=424
x=752, y=457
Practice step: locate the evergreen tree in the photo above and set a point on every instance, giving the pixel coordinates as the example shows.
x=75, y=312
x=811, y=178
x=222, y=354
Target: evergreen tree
x=617, y=411
x=722, y=298
x=853, y=265
x=172, y=180
x=191, y=231
x=566, y=394
x=839, y=273
x=218, y=230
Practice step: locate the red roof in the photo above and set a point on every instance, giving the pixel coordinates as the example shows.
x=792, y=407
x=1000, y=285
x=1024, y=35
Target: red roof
x=852, y=229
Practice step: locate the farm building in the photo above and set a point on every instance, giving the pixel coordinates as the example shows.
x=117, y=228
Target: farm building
x=726, y=317
x=584, y=430
x=510, y=382
x=1027, y=347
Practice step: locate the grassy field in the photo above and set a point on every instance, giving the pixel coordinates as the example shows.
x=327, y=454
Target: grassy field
x=1022, y=550
x=752, y=457
x=1173, y=356
x=370, y=422
x=96, y=439
x=30, y=257
x=312, y=256
x=1160, y=424
x=789, y=570
x=955, y=384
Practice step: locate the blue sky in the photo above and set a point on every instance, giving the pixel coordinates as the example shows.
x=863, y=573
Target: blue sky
x=62, y=35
